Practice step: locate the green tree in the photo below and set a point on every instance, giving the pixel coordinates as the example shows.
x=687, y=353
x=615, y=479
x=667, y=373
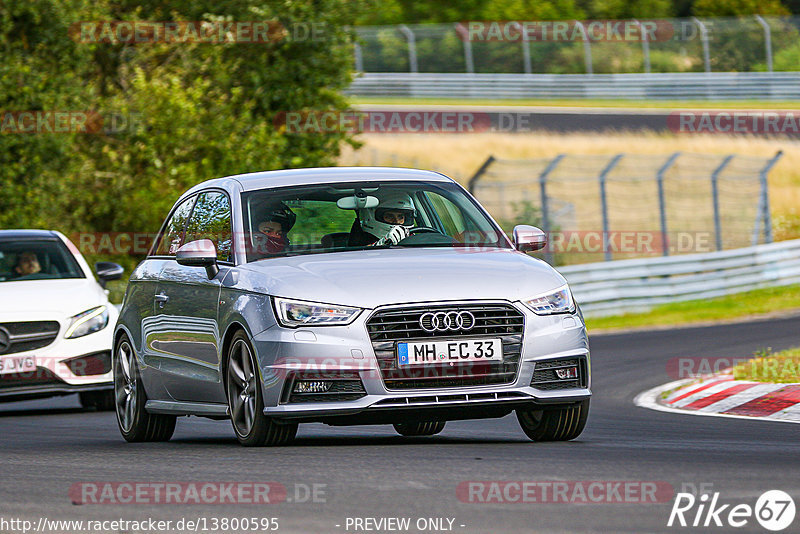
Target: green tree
x=733, y=8
x=190, y=111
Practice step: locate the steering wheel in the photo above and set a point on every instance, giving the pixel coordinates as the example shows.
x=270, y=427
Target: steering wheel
x=423, y=230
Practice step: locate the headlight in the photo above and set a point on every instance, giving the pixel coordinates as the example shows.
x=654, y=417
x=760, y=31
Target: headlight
x=559, y=301
x=299, y=313
x=87, y=322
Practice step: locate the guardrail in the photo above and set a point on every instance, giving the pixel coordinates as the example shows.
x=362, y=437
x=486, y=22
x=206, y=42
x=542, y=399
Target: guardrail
x=672, y=86
x=624, y=286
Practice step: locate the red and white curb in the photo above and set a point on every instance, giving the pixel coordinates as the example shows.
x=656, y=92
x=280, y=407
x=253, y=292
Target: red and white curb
x=722, y=396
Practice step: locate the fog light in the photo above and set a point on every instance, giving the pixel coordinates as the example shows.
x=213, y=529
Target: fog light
x=567, y=372
x=98, y=363
x=311, y=386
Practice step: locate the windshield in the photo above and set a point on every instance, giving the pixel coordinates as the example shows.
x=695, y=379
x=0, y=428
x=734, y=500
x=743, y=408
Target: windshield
x=363, y=215
x=36, y=260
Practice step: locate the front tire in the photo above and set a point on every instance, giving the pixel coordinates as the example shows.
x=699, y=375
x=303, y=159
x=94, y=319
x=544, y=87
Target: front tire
x=135, y=423
x=427, y=428
x=245, y=400
x=558, y=424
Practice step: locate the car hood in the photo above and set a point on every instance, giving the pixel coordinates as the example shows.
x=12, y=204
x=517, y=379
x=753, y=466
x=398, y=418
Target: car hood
x=368, y=279
x=55, y=298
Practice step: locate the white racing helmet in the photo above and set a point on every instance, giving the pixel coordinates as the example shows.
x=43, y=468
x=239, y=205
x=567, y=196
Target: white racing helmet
x=371, y=219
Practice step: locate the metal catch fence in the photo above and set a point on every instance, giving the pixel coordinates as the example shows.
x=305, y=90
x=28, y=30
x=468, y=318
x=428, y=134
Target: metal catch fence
x=625, y=206
x=732, y=44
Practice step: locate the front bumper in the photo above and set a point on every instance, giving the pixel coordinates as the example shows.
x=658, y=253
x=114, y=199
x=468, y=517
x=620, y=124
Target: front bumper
x=63, y=367
x=284, y=352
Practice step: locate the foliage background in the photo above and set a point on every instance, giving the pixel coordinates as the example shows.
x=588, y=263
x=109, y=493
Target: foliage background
x=199, y=110
x=208, y=110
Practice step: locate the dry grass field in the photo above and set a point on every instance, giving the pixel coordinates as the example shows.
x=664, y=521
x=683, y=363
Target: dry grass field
x=459, y=155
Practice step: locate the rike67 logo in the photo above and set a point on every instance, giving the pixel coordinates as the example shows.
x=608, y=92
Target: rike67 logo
x=774, y=510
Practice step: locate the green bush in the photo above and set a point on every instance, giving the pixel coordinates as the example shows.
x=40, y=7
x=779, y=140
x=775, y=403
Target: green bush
x=194, y=111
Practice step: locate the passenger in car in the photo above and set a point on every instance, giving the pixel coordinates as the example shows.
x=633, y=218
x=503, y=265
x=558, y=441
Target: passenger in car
x=27, y=264
x=273, y=229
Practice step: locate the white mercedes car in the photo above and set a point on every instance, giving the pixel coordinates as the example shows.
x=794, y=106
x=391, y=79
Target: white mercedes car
x=56, y=322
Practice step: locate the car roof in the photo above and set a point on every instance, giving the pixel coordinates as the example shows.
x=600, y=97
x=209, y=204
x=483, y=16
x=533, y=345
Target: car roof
x=319, y=175
x=29, y=235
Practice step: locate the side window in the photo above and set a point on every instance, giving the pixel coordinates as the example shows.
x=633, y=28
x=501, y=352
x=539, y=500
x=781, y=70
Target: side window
x=173, y=231
x=211, y=219
x=449, y=214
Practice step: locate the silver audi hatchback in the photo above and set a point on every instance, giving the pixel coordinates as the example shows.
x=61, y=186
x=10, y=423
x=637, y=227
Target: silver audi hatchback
x=346, y=296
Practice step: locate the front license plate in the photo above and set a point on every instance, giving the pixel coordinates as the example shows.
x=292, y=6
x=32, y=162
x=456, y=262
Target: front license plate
x=17, y=364
x=450, y=351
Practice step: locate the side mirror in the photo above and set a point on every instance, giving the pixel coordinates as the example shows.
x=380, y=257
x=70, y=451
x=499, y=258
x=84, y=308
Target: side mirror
x=106, y=271
x=200, y=253
x=529, y=238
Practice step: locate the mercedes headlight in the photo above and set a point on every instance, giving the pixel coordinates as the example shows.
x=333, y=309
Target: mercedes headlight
x=87, y=322
x=558, y=301
x=301, y=313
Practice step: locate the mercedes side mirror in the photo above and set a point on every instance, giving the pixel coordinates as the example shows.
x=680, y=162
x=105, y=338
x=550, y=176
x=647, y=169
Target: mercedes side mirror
x=106, y=271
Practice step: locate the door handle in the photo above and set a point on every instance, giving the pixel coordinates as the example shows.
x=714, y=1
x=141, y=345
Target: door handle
x=162, y=299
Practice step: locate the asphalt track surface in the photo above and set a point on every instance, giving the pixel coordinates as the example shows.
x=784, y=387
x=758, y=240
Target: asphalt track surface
x=46, y=446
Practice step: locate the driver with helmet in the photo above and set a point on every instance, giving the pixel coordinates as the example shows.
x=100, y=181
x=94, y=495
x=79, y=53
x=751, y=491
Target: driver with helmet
x=389, y=222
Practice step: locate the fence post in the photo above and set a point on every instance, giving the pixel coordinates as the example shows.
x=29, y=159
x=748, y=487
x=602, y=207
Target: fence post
x=604, y=204
x=548, y=255
x=763, y=201
x=587, y=47
x=526, y=51
x=662, y=208
x=473, y=181
x=715, y=199
x=767, y=40
x=412, y=47
x=468, y=61
x=704, y=40
x=645, y=47
x=358, y=57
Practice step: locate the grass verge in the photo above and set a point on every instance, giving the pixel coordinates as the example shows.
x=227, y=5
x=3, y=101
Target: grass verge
x=751, y=303
x=776, y=367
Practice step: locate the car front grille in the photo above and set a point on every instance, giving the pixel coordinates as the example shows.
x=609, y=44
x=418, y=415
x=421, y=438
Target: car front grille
x=389, y=326
x=546, y=379
x=24, y=336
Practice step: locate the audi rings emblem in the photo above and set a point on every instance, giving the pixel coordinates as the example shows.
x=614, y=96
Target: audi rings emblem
x=447, y=321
